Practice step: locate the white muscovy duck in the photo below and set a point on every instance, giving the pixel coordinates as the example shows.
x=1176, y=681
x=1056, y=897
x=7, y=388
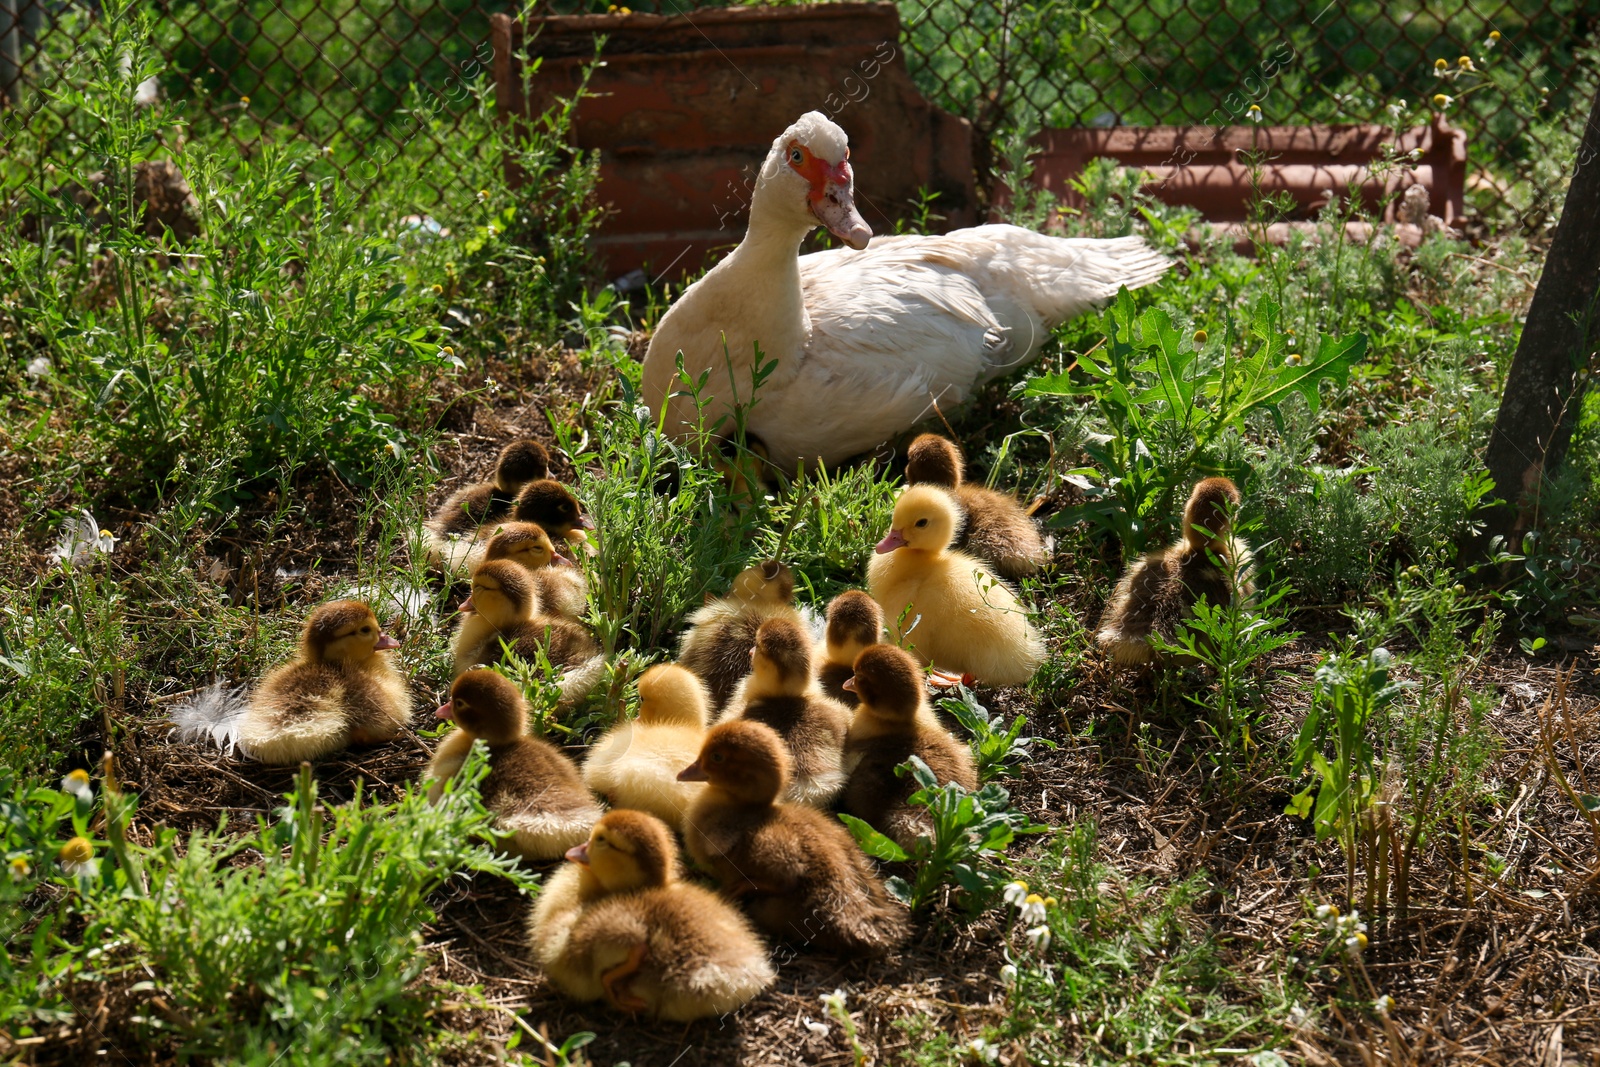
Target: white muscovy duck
x=866, y=340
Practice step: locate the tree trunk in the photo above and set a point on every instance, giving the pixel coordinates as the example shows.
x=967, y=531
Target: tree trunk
x=1544, y=391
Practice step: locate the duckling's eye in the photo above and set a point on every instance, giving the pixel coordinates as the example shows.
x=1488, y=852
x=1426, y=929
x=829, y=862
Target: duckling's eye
x=796, y=156
x=922, y=522
x=366, y=629
x=716, y=757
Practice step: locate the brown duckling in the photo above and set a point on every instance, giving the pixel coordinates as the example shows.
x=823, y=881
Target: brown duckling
x=561, y=585
x=620, y=923
x=996, y=528
x=504, y=605
x=854, y=622
x=782, y=693
x=717, y=647
x=1159, y=589
x=962, y=617
x=468, y=509
x=534, y=790
x=337, y=691
x=636, y=764
x=893, y=723
x=798, y=871
x=547, y=503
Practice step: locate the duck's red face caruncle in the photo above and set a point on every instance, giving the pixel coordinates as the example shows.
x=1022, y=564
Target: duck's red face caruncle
x=832, y=194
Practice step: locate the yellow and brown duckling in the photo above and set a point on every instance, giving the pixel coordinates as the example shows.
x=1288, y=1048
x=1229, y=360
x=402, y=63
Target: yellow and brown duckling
x=339, y=690
x=717, y=647
x=535, y=792
x=854, y=622
x=546, y=502
x=467, y=510
x=620, y=923
x=636, y=764
x=892, y=723
x=962, y=617
x=1159, y=589
x=504, y=606
x=782, y=693
x=560, y=583
x=797, y=870
x=995, y=526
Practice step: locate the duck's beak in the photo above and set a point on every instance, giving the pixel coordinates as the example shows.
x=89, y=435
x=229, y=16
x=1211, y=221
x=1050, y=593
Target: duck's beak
x=466, y=606
x=579, y=854
x=558, y=560
x=444, y=713
x=849, y=684
x=895, y=540
x=693, y=773
x=835, y=206
x=585, y=522
x=384, y=642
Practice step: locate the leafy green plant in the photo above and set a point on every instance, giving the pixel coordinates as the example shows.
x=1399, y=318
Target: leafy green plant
x=1349, y=714
x=1167, y=402
x=995, y=746
x=970, y=830
x=315, y=948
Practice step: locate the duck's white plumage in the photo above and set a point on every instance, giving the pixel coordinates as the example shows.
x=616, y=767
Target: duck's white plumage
x=868, y=340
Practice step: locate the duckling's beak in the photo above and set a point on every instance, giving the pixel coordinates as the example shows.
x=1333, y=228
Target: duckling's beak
x=385, y=642
x=895, y=540
x=693, y=773
x=849, y=684
x=445, y=713
x=558, y=560
x=579, y=854
x=466, y=606
x=585, y=522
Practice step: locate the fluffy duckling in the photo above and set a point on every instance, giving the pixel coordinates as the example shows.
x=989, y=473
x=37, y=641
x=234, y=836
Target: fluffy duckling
x=636, y=764
x=534, y=790
x=1158, y=590
x=893, y=723
x=337, y=691
x=963, y=618
x=475, y=506
x=996, y=528
x=782, y=693
x=798, y=871
x=546, y=502
x=561, y=585
x=620, y=923
x=854, y=622
x=717, y=647
x=505, y=605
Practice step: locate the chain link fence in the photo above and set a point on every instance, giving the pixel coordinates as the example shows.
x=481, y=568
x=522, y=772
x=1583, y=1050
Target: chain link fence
x=357, y=76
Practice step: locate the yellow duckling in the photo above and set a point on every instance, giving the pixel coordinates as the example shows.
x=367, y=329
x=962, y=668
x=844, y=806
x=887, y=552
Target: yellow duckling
x=636, y=764
x=504, y=607
x=337, y=691
x=962, y=617
x=560, y=584
x=893, y=723
x=798, y=871
x=718, y=646
x=534, y=790
x=1158, y=590
x=854, y=622
x=996, y=528
x=620, y=923
x=782, y=693
x=454, y=526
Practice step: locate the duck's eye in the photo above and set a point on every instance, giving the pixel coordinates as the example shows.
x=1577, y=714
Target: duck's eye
x=366, y=629
x=796, y=156
x=922, y=522
x=716, y=757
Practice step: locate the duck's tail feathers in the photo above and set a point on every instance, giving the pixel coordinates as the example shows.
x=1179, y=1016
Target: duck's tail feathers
x=1064, y=276
x=211, y=715
x=579, y=681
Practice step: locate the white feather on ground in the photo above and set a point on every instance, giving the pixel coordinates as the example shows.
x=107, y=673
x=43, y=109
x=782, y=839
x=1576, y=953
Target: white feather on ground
x=393, y=598
x=82, y=540
x=213, y=715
